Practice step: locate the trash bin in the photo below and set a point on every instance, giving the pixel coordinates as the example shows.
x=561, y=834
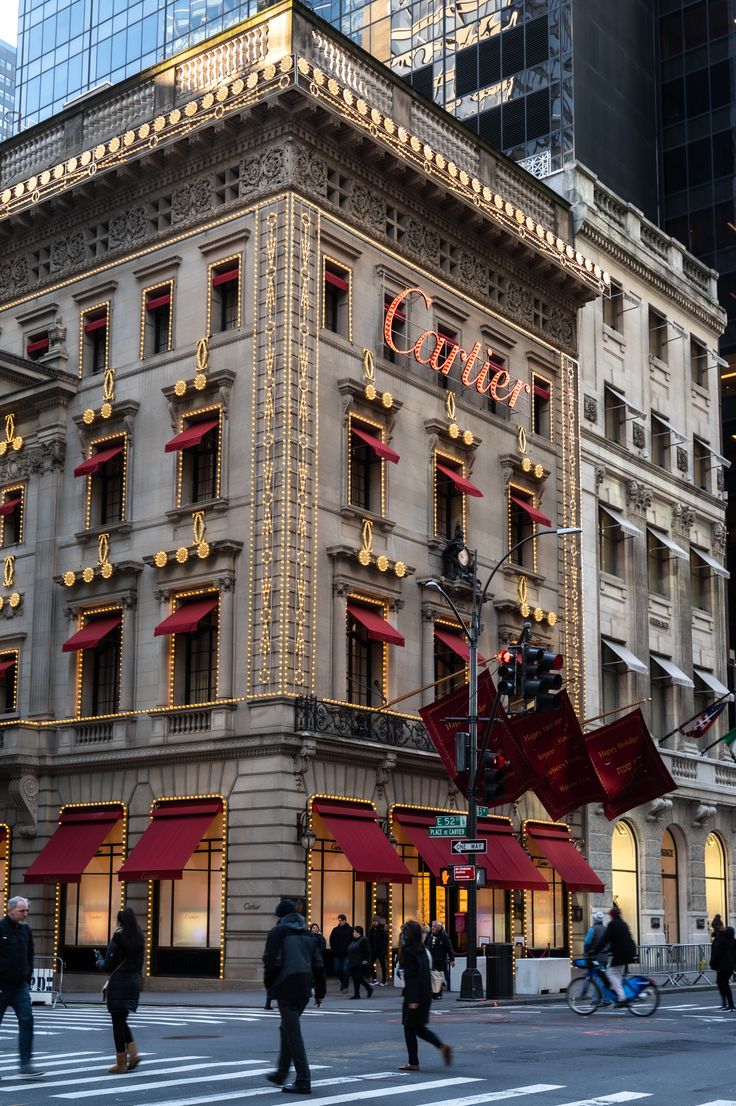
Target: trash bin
x=499, y=971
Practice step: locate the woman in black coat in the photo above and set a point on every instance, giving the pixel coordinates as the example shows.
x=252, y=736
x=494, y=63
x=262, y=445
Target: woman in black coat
x=359, y=955
x=417, y=979
x=124, y=961
x=723, y=962
x=320, y=976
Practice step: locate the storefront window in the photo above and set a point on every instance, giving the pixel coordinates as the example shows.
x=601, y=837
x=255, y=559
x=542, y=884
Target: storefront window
x=624, y=875
x=715, y=877
x=90, y=907
x=334, y=888
x=670, y=889
x=546, y=913
x=492, y=915
x=189, y=912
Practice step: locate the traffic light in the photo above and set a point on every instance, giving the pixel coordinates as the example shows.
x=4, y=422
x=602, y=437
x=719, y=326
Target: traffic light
x=493, y=776
x=509, y=671
x=540, y=677
x=462, y=751
x=447, y=878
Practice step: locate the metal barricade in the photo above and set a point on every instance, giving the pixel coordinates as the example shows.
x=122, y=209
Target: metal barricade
x=676, y=965
x=47, y=981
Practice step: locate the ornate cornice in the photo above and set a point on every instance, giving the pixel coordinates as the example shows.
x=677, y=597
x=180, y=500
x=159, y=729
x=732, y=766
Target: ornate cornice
x=33, y=461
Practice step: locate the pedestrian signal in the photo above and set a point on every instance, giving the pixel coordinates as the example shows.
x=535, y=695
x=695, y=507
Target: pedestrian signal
x=447, y=877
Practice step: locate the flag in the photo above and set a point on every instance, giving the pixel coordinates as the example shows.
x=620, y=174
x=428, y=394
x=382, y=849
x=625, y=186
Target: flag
x=519, y=776
x=729, y=738
x=703, y=722
x=628, y=764
x=554, y=746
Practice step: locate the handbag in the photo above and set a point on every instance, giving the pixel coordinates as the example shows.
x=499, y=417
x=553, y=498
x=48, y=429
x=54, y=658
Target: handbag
x=105, y=985
x=438, y=981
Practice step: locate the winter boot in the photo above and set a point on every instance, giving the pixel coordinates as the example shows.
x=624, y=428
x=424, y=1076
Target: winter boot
x=133, y=1055
x=120, y=1066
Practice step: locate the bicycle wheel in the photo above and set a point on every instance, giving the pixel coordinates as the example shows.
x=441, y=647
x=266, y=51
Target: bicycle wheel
x=583, y=996
x=646, y=1001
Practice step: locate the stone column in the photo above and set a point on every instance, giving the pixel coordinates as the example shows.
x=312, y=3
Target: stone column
x=339, y=660
x=638, y=500
x=226, y=631
x=427, y=671
x=162, y=595
x=128, y=656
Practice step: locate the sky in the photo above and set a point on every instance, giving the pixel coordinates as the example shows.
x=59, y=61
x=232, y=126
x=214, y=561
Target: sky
x=9, y=21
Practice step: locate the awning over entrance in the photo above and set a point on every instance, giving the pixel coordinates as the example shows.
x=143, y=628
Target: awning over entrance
x=187, y=616
x=707, y=677
x=507, y=865
x=356, y=831
x=555, y=843
x=94, y=463
x=711, y=563
x=456, y=642
x=632, y=663
x=436, y=852
x=376, y=625
x=9, y=505
x=678, y=677
x=623, y=523
x=461, y=483
x=173, y=834
x=92, y=633
x=73, y=844
x=191, y=435
x=379, y=448
x=534, y=514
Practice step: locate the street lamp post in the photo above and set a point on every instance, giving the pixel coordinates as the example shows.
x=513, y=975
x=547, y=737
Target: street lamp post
x=471, y=985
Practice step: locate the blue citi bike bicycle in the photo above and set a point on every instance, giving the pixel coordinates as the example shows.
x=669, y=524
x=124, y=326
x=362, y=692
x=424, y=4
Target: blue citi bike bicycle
x=587, y=992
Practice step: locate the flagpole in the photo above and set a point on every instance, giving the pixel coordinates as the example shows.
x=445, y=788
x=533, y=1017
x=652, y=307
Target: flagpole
x=678, y=729
x=628, y=706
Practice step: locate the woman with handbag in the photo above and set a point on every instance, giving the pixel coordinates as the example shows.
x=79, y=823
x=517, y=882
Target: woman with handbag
x=124, y=961
x=359, y=955
x=415, y=965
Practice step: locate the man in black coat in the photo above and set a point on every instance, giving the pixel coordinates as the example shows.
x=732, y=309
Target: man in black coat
x=378, y=941
x=617, y=939
x=292, y=959
x=441, y=951
x=340, y=938
x=16, y=969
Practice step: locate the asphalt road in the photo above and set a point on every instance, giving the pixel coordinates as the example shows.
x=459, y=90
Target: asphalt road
x=541, y=1055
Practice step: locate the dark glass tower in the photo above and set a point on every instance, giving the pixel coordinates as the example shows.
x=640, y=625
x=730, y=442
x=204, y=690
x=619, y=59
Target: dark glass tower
x=7, y=90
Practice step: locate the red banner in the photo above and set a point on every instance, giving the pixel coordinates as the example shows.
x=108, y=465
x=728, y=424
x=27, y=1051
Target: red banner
x=628, y=764
x=555, y=747
x=519, y=775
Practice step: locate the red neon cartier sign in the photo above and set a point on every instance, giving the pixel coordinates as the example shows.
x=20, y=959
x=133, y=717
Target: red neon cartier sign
x=478, y=369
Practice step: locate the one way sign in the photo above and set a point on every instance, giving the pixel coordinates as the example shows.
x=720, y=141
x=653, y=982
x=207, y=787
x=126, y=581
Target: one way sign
x=464, y=846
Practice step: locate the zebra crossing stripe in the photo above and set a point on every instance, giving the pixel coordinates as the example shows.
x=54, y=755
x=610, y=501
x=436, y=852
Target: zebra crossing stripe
x=498, y=1096
x=720, y=1102
x=603, y=1100
x=406, y=1087
x=161, y=1071
x=133, y=1086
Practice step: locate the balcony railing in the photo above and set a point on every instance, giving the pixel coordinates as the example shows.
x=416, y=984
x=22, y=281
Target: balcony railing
x=360, y=724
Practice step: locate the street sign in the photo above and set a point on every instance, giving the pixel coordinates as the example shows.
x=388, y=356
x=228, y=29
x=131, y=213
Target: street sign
x=446, y=831
x=464, y=873
x=470, y=846
x=483, y=811
x=459, y=820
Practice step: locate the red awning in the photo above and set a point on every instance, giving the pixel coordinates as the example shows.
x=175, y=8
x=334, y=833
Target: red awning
x=6, y=664
x=457, y=643
x=170, y=839
x=543, y=393
x=94, y=463
x=436, y=852
x=534, y=514
x=337, y=281
x=191, y=435
x=187, y=617
x=9, y=505
x=378, y=447
x=459, y=481
x=38, y=345
x=95, y=324
x=92, y=633
x=225, y=277
x=506, y=863
x=555, y=843
x=72, y=845
x=377, y=626
x=361, y=839
x=158, y=301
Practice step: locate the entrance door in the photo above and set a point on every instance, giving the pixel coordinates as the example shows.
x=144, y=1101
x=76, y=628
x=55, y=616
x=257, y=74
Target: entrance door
x=670, y=890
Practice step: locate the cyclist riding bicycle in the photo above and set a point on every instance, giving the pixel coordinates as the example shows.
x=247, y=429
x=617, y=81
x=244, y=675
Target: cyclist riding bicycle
x=617, y=939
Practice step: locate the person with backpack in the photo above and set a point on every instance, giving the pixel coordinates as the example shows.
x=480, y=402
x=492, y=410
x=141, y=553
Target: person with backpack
x=292, y=959
x=617, y=939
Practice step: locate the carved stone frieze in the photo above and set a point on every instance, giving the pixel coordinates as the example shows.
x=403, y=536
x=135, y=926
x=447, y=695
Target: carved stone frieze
x=682, y=459
x=34, y=461
x=590, y=408
x=23, y=791
x=719, y=535
x=638, y=495
x=682, y=516
x=600, y=476
x=637, y=435
x=720, y=479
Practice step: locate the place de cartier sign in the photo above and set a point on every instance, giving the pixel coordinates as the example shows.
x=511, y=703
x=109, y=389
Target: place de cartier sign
x=486, y=374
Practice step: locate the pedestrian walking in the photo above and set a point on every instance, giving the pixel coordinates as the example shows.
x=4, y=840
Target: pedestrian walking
x=291, y=960
x=715, y=925
x=617, y=939
x=124, y=961
x=443, y=955
x=417, y=998
x=359, y=956
x=597, y=927
x=723, y=962
x=378, y=941
x=320, y=975
x=340, y=938
x=16, y=969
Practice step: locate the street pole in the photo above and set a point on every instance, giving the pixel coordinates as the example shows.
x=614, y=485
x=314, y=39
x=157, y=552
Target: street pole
x=471, y=984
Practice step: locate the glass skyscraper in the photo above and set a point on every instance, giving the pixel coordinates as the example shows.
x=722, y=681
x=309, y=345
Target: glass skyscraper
x=7, y=90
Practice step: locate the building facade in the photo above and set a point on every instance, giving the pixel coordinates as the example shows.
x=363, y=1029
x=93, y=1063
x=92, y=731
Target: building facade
x=279, y=337
x=7, y=90
x=653, y=551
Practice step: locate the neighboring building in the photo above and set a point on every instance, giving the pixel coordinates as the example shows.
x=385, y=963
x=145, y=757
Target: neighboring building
x=7, y=90
x=654, y=537
x=225, y=486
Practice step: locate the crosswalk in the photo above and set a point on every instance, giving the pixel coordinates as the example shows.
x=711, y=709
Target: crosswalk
x=200, y=1080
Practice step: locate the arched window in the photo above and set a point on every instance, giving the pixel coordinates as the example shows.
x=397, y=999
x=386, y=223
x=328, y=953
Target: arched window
x=625, y=875
x=670, y=889
x=715, y=877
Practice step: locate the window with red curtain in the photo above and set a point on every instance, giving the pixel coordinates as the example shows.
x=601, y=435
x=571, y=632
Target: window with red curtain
x=11, y=516
x=541, y=406
x=95, y=334
x=225, y=294
x=8, y=681
x=37, y=345
x=157, y=317
x=336, y=298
